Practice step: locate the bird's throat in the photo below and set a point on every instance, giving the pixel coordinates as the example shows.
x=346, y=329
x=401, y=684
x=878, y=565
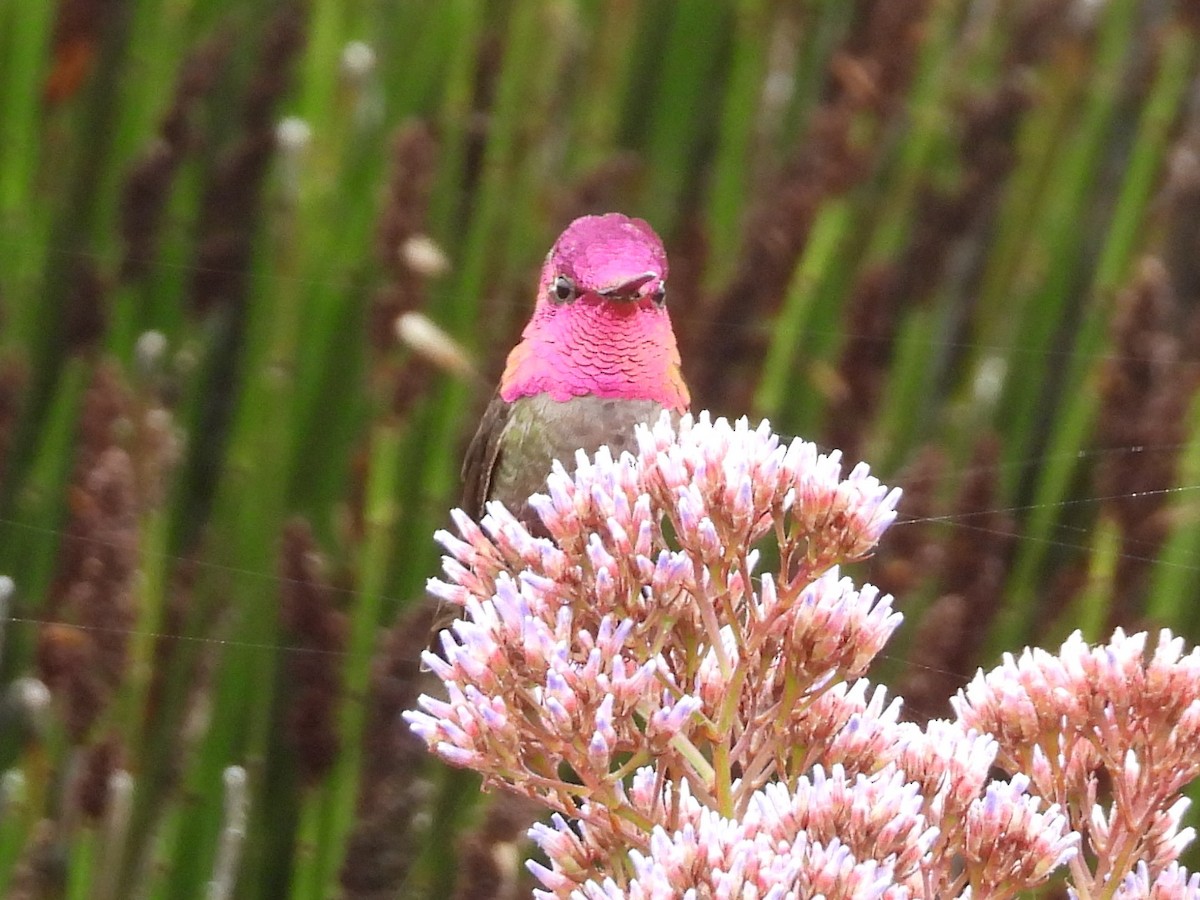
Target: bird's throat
x=600, y=350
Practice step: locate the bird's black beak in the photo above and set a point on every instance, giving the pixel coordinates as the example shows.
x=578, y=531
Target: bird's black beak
x=628, y=290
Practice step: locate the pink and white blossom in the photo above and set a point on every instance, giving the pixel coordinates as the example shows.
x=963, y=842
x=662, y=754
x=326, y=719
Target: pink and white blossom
x=699, y=723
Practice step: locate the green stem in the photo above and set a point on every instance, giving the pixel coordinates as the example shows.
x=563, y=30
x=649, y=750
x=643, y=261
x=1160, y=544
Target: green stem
x=1081, y=389
x=826, y=236
x=344, y=783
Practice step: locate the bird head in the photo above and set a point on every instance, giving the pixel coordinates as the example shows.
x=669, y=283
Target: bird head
x=600, y=326
x=609, y=259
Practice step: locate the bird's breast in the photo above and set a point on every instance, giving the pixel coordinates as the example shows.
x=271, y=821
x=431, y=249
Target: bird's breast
x=540, y=430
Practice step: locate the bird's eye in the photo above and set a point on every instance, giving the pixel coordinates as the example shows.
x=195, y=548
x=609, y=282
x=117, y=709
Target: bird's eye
x=563, y=289
x=659, y=297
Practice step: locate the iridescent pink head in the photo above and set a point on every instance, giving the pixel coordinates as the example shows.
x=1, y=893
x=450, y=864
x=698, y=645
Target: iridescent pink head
x=600, y=326
x=610, y=256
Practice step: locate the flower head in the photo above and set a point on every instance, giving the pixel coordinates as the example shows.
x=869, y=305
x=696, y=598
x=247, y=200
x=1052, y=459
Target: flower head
x=1110, y=730
x=641, y=631
x=677, y=671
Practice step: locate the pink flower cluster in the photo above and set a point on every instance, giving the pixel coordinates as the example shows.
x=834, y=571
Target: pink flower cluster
x=676, y=672
x=1110, y=732
x=809, y=839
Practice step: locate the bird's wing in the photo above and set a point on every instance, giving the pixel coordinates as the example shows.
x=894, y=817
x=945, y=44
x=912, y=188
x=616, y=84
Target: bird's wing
x=482, y=455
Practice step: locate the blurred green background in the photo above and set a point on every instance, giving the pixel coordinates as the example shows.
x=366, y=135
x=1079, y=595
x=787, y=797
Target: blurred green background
x=959, y=239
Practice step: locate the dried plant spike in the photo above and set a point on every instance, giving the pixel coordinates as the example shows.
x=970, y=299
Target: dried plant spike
x=233, y=835
x=316, y=631
x=423, y=336
x=116, y=832
x=7, y=588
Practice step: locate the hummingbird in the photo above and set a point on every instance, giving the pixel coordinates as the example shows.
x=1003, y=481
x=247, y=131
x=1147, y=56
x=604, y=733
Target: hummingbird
x=597, y=357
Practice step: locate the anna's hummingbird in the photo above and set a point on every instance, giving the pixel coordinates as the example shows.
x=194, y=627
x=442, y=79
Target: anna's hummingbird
x=597, y=357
